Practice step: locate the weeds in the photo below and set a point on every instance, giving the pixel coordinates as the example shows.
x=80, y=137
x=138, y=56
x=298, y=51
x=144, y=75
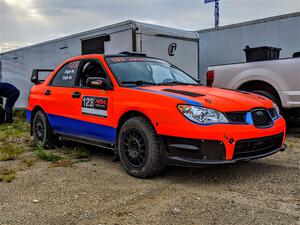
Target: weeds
x=28, y=162
x=41, y=153
x=10, y=151
x=7, y=175
x=80, y=153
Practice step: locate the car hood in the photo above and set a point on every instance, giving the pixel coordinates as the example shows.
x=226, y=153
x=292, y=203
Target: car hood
x=216, y=98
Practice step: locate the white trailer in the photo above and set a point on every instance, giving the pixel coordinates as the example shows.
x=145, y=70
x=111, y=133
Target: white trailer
x=176, y=46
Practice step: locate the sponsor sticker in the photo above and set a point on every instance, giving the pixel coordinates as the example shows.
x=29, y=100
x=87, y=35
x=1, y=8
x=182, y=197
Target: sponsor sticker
x=92, y=105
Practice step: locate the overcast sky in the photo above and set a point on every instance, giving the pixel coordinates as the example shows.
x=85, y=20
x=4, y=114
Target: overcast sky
x=25, y=22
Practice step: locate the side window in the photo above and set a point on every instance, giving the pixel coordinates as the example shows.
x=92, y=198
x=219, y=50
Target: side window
x=66, y=76
x=89, y=69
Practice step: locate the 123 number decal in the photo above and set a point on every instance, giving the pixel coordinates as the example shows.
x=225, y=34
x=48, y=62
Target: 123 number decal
x=94, y=106
x=88, y=102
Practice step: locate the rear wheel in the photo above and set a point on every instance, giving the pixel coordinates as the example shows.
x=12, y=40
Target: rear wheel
x=42, y=131
x=139, y=148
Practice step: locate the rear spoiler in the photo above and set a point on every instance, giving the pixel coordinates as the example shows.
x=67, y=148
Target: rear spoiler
x=35, y=75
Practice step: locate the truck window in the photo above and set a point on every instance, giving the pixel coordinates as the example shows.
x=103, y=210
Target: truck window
x=66, y=76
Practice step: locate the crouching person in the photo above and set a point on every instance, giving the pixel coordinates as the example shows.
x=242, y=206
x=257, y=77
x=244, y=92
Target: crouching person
x=11, y=93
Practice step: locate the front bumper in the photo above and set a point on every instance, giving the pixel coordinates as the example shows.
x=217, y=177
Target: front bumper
x=227, y=134
x=194, y=152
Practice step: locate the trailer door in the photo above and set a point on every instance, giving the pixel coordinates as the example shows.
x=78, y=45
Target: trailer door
x=94, y=45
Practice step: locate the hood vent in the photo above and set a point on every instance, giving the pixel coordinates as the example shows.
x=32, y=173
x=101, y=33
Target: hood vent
x=187, y=93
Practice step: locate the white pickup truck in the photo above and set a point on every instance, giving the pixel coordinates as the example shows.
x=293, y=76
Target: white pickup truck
x=278, y=80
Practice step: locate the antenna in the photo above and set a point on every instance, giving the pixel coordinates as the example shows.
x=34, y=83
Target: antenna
x=216, y=11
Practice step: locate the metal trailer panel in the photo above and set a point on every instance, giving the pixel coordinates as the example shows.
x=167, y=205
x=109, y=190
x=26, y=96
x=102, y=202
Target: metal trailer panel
x=185, y=56
x=154, y=40
x=17, y=65
x=225, y=45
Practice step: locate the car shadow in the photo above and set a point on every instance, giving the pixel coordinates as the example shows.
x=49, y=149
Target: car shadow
x=240, y=172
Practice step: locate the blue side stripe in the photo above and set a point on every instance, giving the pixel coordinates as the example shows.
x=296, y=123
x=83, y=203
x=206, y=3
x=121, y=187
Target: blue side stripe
x=82, y=128
x=189, y=101
x=28, y=116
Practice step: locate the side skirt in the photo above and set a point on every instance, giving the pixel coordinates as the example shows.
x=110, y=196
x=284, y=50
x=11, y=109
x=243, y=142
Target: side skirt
x=89, y=141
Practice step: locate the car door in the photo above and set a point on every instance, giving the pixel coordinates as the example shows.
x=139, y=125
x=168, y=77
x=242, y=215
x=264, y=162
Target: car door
x=94, y=108
x=59, y=98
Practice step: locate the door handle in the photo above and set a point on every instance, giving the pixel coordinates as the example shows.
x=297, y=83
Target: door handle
x=76, y=94
x=47, y=92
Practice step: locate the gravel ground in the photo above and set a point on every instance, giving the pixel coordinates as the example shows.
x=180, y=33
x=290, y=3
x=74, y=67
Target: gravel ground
x=98, y=191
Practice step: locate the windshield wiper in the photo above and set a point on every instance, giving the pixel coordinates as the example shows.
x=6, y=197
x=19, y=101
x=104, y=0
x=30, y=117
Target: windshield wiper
x=139, y=82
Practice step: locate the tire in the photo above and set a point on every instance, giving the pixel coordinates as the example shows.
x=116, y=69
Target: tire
x=42, y=131
x=2, y=115
x=139, y=148
x=271, y=97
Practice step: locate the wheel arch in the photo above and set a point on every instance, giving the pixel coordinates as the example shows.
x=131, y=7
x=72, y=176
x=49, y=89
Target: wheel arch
x=32, y=114
x=129, y=114
x=260, y=85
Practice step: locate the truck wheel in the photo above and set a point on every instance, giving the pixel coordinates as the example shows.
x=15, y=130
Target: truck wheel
x=139, y=148
x=42, y=131
x=271, y=97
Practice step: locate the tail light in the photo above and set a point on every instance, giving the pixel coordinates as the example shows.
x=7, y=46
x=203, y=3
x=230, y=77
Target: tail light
x=210, y=75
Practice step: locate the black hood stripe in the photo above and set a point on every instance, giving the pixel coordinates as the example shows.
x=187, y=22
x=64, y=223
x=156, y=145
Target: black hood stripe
x=187, y=93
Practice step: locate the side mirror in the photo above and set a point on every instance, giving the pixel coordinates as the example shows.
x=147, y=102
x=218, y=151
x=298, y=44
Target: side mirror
x=97, y=82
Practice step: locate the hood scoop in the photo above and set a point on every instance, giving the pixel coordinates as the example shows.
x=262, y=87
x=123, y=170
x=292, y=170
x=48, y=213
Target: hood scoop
x=187, y=93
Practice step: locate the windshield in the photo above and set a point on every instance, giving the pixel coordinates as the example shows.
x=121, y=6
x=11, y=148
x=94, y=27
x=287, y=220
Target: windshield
x=147, y=71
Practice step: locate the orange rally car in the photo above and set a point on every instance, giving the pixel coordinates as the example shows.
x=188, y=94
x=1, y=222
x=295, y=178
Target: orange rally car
x=151, y=113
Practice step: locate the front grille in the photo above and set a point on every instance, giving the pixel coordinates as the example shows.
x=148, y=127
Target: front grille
x=236, y=117
x=255, y=147
x=261, y=118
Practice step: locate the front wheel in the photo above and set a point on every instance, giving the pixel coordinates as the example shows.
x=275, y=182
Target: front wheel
x=139, y=148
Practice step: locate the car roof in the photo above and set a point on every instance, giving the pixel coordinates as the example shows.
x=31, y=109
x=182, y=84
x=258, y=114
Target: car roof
x=122, y=54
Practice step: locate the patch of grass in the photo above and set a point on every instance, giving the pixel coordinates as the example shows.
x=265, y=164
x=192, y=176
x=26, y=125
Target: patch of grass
x=28, y=162
x=7, y=175
x=43, y=154
x=20, y=114
x=80, y=153
x=19, y=129
x=10, y=151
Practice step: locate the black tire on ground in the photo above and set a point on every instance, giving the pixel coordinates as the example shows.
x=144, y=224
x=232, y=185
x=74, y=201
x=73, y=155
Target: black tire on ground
x=139, y=148
x=2, y=114
x=271, y=97
x=42, y=131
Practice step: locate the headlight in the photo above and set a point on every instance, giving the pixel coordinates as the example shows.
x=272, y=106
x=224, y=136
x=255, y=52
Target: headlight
x=202, y=115
x=276, y=107
x=274, y=112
